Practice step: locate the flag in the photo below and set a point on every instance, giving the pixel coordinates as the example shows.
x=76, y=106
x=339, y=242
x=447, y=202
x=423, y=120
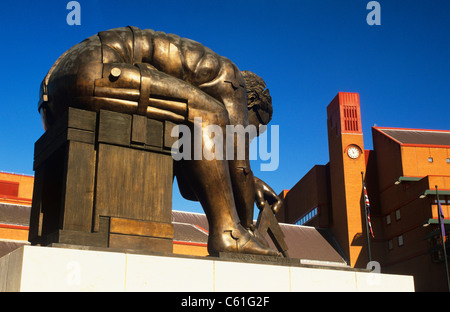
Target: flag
x=367, y=205
x=441, y=217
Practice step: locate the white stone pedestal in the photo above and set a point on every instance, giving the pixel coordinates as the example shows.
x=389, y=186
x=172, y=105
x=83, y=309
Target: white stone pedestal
x=33, y=268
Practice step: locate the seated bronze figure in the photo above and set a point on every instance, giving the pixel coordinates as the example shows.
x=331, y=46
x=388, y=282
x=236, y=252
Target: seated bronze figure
x=165, y=77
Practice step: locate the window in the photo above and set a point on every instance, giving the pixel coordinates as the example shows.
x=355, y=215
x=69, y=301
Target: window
x=388, y=219
x=311, y=214
x=351, y=118
x=400, y=240
x=430, y=159
x=397, y=214
x=442, y=199
x=390, y=244
x=448, y=160
x=436, y=249
x=9, y=188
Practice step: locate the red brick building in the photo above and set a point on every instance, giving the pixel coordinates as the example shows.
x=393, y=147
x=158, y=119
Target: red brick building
x=16, y=192
x=401, y=174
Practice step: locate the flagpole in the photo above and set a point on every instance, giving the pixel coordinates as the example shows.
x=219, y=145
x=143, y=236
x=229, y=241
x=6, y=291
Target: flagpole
x=369, y=254
x=442, y=230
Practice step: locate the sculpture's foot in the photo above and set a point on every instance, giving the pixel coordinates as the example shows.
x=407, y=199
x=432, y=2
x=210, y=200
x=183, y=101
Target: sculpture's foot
x=258, y=235
x=238, y=240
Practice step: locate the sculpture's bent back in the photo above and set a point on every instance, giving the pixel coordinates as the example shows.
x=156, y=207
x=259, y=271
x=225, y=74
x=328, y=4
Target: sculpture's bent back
x=119, y=70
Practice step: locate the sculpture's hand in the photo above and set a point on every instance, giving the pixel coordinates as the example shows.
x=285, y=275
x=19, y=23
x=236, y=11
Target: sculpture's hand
x=263, y=193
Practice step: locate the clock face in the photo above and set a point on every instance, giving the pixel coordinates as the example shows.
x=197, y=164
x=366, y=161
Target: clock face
x=353, y=152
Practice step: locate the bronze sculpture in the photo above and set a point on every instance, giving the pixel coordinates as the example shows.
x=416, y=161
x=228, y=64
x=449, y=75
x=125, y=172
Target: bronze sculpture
x=165, y=77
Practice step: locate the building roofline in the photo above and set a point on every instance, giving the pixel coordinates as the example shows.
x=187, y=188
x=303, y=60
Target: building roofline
x=18, y=174
x=409, y=129
x=182, y=211
x=380, y=130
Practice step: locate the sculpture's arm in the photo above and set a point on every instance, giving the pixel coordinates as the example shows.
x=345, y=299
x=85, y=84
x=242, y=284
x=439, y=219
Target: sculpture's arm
x=264, y=192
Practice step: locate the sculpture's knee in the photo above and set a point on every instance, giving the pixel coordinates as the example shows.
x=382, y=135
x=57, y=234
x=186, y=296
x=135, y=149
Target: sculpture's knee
x=211, y=114
x=71, y=77
x=67, y=90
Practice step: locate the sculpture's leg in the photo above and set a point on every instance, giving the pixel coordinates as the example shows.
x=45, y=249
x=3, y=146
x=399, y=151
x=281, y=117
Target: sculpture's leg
x=243, y=190
x=212, y=184
x=240, y=171
x=230, y=89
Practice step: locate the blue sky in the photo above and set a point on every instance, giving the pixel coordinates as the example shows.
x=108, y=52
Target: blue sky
x=306, y=51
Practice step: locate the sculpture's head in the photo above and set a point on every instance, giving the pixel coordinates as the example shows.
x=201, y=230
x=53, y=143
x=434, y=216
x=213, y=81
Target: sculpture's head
x=259, y=100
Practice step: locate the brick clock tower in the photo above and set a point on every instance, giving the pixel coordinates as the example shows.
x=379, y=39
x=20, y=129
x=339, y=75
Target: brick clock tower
x=347, y=161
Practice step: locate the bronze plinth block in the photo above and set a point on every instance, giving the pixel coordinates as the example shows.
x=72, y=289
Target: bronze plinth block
x=78, y=198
